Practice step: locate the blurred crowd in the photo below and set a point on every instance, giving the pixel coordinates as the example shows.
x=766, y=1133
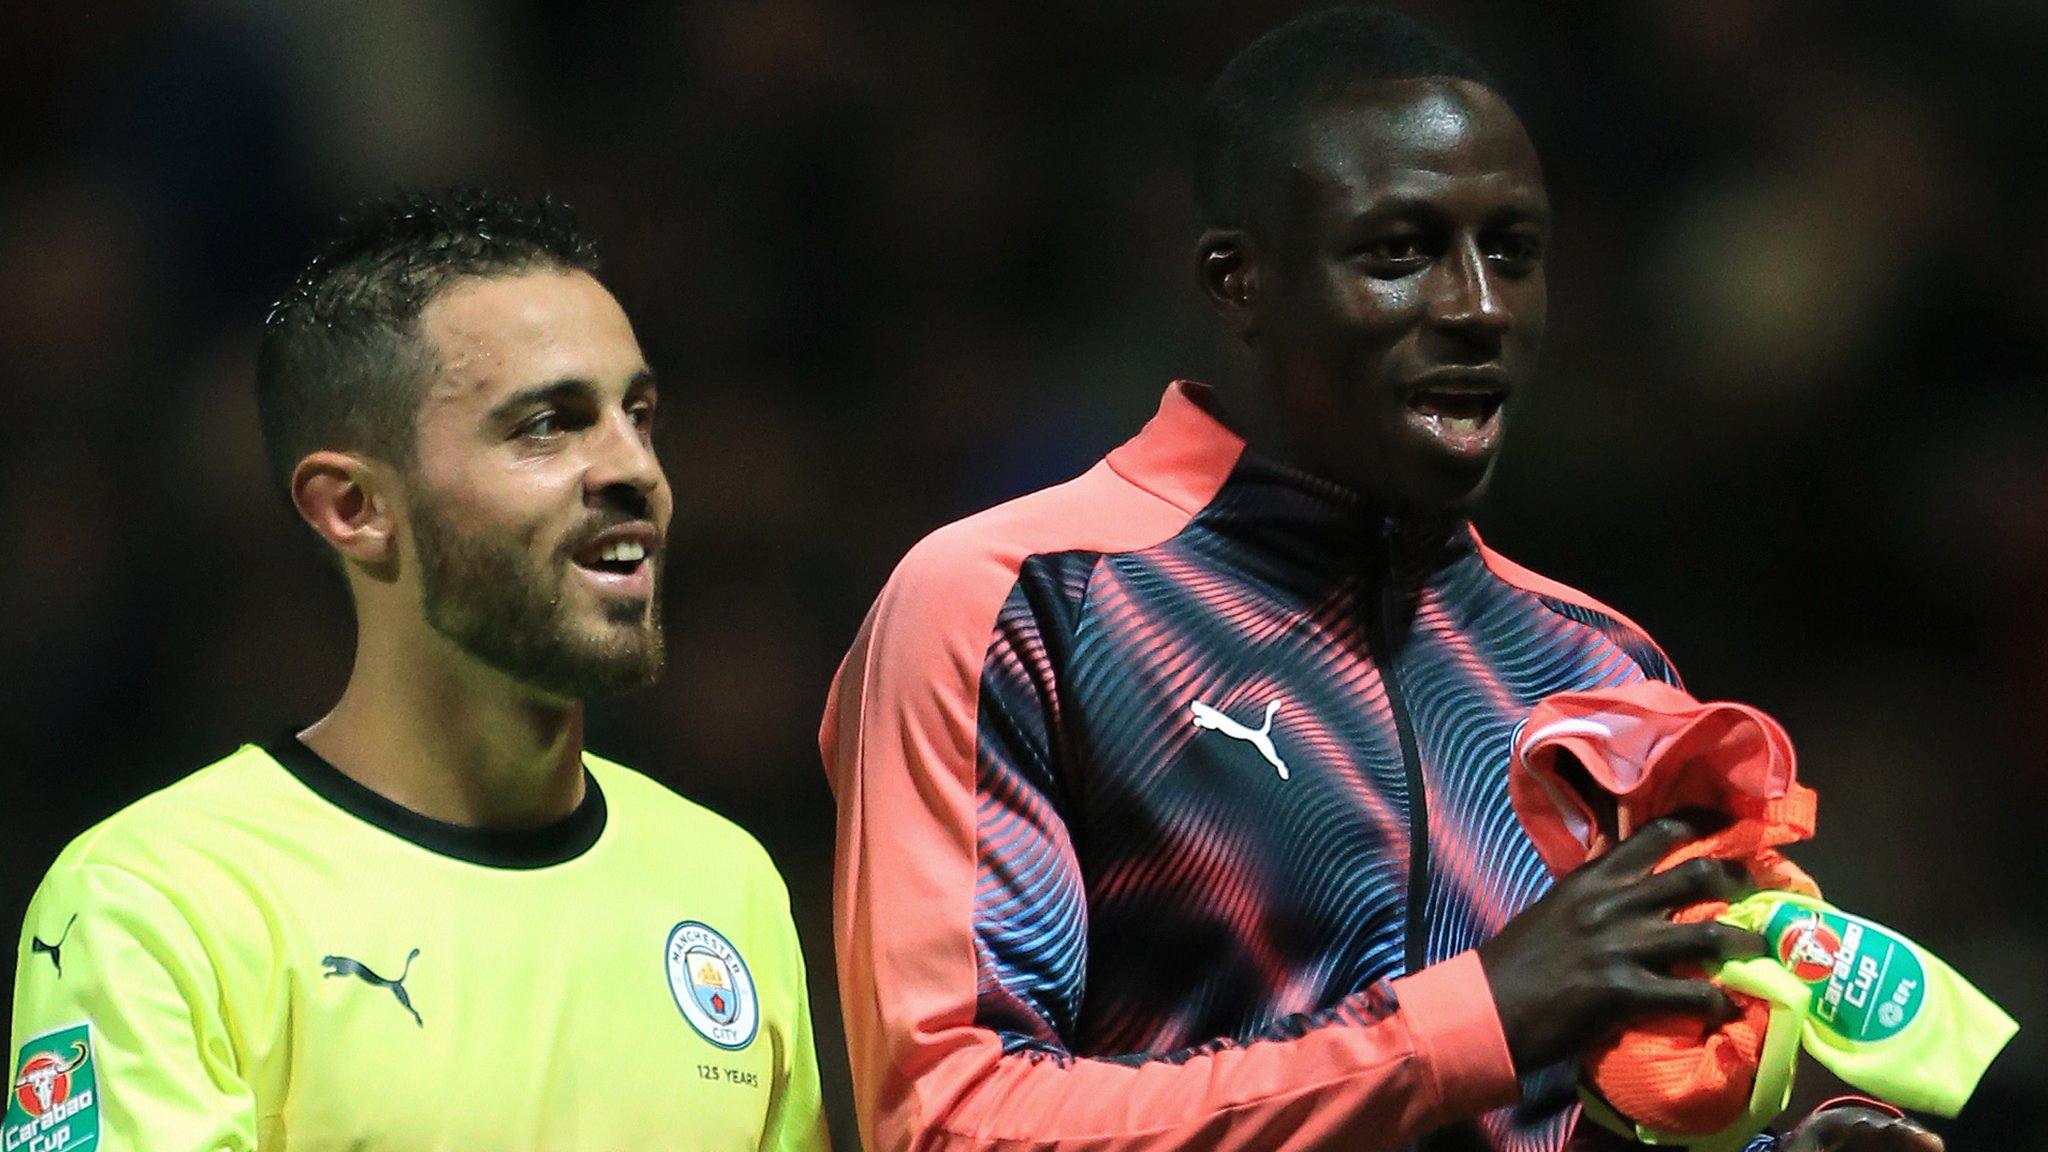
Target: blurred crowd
x=896, y=262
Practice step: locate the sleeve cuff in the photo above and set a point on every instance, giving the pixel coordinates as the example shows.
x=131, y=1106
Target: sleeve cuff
x=1449, y=1010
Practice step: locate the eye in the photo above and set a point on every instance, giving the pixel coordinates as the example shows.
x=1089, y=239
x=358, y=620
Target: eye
x=1408, y=247
x=1519, y=250
x=642, y=414
x=547, y=425
x=1395, y=254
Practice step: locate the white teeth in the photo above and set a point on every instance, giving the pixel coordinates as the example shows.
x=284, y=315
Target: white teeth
x=624, y=552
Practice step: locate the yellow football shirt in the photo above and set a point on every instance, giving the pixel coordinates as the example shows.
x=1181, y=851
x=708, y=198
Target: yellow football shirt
x=267, y=955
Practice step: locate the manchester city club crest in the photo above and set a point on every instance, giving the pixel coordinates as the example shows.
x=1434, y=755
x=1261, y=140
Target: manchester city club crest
x=711, y=985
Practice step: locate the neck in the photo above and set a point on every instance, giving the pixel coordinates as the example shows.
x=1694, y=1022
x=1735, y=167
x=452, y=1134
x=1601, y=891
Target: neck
x=425, y=725
x=1244, y=409
x=1245, y=406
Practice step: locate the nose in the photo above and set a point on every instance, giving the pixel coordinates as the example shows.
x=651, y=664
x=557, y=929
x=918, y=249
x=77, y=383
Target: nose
x=622, y=462
x=1468, y=294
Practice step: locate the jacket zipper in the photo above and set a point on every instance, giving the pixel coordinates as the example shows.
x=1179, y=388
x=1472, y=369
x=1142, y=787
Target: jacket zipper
x=1379, y=635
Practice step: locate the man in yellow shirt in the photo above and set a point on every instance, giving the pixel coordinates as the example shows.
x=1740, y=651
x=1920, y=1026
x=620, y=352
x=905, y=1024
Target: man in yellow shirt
x=431, y=920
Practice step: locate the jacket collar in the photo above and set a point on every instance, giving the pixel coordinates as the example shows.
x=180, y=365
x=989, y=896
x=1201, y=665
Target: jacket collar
x=1188, y=457
x=1184, y=453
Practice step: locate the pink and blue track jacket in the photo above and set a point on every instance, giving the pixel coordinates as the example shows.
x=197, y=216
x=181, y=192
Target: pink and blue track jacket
x=1172, y=801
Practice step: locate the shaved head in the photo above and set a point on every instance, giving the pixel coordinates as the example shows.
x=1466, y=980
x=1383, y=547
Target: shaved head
x=1249, y=120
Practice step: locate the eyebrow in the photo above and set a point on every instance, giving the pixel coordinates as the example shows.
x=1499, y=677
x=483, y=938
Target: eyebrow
x=1535, y=211
x=557, y=389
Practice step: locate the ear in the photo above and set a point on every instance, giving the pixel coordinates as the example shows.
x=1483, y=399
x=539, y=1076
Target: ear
x=1229, y=270
x=347, y=500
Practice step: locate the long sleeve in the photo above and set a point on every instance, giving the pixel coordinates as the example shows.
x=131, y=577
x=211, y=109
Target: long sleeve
x=134, y=1010
x=961, y=924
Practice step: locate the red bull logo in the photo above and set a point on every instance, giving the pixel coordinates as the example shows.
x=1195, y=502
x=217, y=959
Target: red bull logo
x=1809, y=948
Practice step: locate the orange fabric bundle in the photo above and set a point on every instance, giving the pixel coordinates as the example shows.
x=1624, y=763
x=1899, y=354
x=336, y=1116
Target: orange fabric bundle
x=1592, y=767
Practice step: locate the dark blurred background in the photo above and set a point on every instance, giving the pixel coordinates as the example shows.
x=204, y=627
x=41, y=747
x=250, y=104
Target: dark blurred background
x=898, y=262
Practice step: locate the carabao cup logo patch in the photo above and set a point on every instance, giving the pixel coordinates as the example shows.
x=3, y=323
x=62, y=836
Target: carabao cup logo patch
x=55, y=1100
x=711, y=985
x=1867, y=984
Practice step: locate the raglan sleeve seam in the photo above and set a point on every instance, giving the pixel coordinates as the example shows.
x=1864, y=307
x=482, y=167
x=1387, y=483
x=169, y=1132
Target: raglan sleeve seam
x=187, y=932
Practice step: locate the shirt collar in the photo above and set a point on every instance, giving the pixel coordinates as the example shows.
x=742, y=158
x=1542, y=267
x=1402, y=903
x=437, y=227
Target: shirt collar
x=521, y=848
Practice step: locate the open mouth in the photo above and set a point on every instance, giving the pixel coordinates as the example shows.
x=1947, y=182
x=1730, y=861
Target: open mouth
x=1464, y=421
x=619, y=561
x=620, y=557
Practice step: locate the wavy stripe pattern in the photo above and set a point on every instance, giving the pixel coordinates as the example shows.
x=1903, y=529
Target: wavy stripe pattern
x=1150, y=889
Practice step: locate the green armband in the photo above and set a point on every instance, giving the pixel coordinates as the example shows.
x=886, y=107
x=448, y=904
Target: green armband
x=1879, y=1011
x=1876, y=1009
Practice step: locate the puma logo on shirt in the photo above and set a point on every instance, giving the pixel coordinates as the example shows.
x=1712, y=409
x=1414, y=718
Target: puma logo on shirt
x=344, y=966
x=54, y=951
x=1260, y=738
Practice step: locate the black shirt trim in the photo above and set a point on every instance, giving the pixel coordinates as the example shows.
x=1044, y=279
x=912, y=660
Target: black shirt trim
x=521, y=848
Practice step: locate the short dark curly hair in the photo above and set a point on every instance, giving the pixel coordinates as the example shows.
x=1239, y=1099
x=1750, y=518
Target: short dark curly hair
x=1266, y=89
x=341, y=364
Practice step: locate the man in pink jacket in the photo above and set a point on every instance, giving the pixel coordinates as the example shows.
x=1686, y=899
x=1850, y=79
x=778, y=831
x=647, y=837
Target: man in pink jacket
x=1172, y=805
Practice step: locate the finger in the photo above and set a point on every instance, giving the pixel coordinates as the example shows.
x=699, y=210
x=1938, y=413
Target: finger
x=1856, y=1125
x=1653, y=995
x=1701, y=878
x=1889, y=1134
x=1651, y=843
x=1920, y=1139
x=1708, y=941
